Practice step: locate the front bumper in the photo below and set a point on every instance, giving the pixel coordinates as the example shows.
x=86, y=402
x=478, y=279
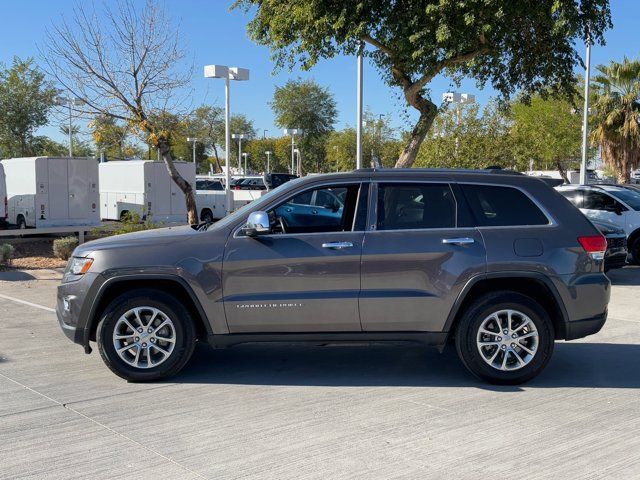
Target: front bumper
x=73, y=302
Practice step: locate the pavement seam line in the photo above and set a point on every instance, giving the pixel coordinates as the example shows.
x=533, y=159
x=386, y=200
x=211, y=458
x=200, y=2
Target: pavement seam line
x=106, y=427
x=24, y=302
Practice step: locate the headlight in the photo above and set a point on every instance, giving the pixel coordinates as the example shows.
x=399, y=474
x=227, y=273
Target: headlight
x=77, y=266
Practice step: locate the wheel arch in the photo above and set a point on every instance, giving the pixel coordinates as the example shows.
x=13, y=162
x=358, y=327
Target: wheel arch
x=534, y=285
x=169, y=284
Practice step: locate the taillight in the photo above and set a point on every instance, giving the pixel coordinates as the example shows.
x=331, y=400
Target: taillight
x=594, y=245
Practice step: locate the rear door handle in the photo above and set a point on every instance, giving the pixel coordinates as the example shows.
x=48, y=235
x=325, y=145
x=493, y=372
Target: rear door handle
x=458, y=241
x=337, y=245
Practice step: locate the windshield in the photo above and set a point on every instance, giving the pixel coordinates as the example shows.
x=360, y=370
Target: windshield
x=629, y=197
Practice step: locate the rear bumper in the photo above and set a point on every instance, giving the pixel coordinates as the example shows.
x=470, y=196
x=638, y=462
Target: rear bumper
x=586, y=327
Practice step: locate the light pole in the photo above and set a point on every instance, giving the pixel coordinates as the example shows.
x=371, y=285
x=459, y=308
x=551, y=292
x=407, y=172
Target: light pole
x=245, y=155
x=69, y=102
x=458, y=99
x=336, y=149
x=264, y=133
x=298, y=163
x=585, y=115
x=359, y=109
x=293, y=132
x=268, y=154
x=239, y=137
x=193, y=140
x=233, y=73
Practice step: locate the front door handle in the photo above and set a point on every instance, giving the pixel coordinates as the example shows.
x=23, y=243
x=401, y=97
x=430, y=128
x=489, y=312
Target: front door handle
x=337, y=245
x=458, y=241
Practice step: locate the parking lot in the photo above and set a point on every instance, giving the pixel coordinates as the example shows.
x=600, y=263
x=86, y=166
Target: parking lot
x=286, y=412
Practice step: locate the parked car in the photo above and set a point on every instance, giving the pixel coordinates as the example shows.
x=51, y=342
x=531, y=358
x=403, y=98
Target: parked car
x=617, y=204
x=635, y=177
x=274, y=180
x=499, y=264
x=616, y=254
x=249, y=183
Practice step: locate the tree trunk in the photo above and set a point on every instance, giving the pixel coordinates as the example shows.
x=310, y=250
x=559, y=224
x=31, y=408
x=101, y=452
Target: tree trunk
x=428, y=112
x=215, y=154
x=562, y=171
x=187, y=189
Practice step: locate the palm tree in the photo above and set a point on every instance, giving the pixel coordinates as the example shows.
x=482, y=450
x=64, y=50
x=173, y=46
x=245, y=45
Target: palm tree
x=616, y=116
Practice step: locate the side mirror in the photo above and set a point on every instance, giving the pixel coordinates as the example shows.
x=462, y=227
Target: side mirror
x=257, y=224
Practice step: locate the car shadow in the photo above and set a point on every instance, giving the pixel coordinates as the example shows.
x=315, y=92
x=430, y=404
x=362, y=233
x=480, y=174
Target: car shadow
x=15, y=276
x=629, y=275
x=580, y=365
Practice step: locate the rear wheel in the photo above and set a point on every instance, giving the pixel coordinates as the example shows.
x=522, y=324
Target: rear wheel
x=505, y=338
x=145, y=335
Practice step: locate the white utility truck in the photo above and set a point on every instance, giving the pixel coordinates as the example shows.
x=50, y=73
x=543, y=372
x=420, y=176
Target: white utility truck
x=211, y=198
x=4, y=206
x=52, y=191
x=145, y=187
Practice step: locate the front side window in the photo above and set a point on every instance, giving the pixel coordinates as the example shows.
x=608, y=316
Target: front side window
x=630, y=197
x=324, y=209
x=574, y=196
x=415, y=206
x=498, y=206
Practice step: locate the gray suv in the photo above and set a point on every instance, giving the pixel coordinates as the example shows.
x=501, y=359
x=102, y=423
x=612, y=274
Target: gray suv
x=499, y=264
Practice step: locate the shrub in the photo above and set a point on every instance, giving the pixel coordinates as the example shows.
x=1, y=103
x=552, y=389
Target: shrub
x=63, y=247
x=6, y=253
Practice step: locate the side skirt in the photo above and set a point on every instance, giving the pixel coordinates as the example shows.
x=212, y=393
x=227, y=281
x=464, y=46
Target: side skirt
x=432, y=339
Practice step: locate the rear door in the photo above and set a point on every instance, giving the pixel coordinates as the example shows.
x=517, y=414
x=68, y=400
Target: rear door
x=602, y=206
x=419, y=252
x=58, y=190
x=78, y=173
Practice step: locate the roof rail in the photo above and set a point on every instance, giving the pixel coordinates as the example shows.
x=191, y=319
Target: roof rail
x=499, y=171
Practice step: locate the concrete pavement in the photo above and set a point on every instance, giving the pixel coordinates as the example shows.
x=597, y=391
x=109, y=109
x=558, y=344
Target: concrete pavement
x=300, y=412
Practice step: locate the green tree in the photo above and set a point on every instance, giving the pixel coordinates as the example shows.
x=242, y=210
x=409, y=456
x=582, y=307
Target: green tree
x=25, y=101
x=469, y=139
x=110, y=136
x=306, y=105
x=616, y=116
x=512, y=45
x=547, y=131
x=44, y=146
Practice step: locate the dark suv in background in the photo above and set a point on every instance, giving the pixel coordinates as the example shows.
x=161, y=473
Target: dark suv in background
x=499, y=264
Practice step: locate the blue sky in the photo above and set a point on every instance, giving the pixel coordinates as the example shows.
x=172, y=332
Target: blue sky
x=213, y=34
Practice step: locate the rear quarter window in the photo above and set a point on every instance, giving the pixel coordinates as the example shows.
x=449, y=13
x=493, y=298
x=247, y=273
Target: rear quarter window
x=501, y=206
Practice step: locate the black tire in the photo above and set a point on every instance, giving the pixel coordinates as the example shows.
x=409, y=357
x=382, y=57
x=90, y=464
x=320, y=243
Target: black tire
x=634, y=250
x=173, y=309
x=473, y=317
x=206, y=216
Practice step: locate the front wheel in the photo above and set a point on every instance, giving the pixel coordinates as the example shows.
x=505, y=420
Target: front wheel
x=145, y=335
x=505, y=338
x=634, y=250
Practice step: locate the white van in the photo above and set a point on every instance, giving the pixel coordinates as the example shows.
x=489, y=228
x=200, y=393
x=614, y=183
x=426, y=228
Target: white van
x=3, y=199
x=145, y=187
x=52, y=191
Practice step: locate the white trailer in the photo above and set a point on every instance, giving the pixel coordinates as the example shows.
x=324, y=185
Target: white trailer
x=211, y=198
x=52, y=191
x=145, y=187
x=4, y=207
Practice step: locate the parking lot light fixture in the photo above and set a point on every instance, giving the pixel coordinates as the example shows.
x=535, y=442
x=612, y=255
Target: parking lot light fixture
x=233, y=73
x=293, y=132
x=69, y=102
x=193, y=140
x=244, y=156
x=268, y=154
x=239, y=137
x=458, y=99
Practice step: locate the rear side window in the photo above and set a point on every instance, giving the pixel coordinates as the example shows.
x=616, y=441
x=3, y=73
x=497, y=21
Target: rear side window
x=496, y=206
x=574, y=196
x=415, y=206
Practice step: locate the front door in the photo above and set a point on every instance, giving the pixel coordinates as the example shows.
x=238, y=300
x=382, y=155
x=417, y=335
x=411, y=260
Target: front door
x=305, y=275
x=417, y=259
